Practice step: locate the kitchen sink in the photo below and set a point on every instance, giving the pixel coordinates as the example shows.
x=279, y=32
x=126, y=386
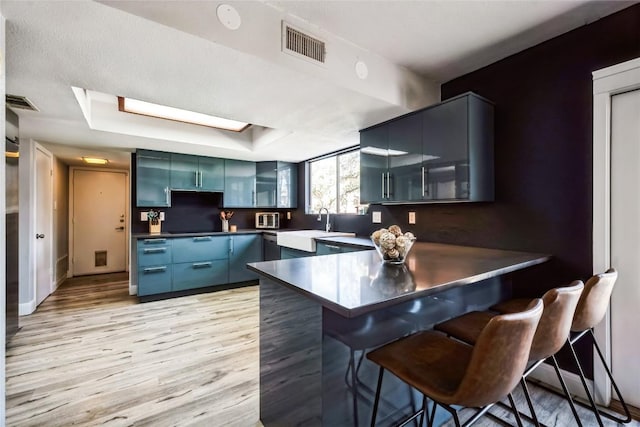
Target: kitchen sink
x=304, y=240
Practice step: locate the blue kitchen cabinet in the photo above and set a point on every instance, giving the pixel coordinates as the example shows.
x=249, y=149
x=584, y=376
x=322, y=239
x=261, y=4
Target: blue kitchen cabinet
x=276, y=185
x=153, y=169
x=287, y=185
x=374, y=143
x=154, y=266
x=289, y=253
x=244, y=248
x=239, y=184
x=200, y=261
x=196, y=173
x=200, y=274
x=441, y=153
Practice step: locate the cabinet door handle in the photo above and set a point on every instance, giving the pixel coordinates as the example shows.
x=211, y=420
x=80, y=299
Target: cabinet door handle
x=425, y=177
x=201, y=175
x=388, y=185
x=155, y=241
x=231, y=246
x=202, y=239
x=166, y=196
x=155, y=270
x=383, y=185
x=334, y=247
x=201, y=265
x=422, y=177
x=154, y=250
x=196, y=177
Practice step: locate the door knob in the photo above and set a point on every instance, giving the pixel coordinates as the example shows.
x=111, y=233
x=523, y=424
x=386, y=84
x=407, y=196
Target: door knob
x=39, y=236
x=120, y=228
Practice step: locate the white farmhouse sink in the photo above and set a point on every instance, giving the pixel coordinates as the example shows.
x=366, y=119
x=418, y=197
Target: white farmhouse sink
x=304, y=240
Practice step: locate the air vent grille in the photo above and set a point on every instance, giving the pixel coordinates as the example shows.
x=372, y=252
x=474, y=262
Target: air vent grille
x=21, y=102
x=299, y=43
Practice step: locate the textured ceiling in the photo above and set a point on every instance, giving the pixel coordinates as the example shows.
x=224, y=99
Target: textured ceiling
x=178, y=54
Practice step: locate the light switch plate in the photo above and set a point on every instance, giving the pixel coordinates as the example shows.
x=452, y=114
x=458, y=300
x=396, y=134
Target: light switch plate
x=376, y=217
x=412, y=217
x=161, y=216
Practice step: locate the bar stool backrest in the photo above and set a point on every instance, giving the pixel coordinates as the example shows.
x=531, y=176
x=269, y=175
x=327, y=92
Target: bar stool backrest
x=594, y=301
x=555, y=323
x=499, y=357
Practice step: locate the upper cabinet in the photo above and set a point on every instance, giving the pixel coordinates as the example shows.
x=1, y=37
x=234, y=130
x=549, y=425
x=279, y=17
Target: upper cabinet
x=196, y=173
x=442, y=153
x=153, y=179
x=276, y=185
x=239, y=184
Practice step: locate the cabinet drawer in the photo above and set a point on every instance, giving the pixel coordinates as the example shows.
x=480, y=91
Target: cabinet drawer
x=201, y=248
x=154, y=252
x=154, y=279
x=190, y=275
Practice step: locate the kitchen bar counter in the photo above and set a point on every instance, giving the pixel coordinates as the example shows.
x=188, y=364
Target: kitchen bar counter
x=320, y=315
x=356, y=283
x=194, y=234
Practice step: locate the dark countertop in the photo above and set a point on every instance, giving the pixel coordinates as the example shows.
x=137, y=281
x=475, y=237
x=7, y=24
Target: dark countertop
x=196, y=234
x=355, y=283
x=354, y=242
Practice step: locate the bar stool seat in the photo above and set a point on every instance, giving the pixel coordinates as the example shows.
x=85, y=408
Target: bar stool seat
x=553, y=329
x=453, y=373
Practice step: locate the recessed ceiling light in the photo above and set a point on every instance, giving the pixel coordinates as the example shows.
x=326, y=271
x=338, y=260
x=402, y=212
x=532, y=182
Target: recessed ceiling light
x=135, y=106
x=228, y=16
x=95, y=161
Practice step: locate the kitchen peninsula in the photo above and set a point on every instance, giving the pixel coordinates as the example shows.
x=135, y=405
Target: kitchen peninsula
x=319, y=315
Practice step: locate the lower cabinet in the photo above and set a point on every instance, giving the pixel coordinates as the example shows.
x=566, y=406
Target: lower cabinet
x=289, y=253
x=182, y=263
x=244, y=249
x=323, y=248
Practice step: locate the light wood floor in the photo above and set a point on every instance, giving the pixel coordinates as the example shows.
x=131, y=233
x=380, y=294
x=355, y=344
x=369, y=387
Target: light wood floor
x=92, y=355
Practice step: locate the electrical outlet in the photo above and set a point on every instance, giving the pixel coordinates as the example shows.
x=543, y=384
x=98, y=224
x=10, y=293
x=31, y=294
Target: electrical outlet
x=412, y=217
x=161, y=216
x=376, y=217
x=143, y=216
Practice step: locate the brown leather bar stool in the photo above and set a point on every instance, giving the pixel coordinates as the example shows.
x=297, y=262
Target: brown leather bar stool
x=591, y=309
x=550, y=337
x=453, y=373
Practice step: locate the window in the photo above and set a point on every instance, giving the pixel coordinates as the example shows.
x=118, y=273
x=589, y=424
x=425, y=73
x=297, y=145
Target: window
x=334, y=183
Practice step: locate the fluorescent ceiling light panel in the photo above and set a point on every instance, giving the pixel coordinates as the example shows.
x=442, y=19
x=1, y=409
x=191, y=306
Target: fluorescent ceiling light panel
x=382, y=152
x=135, y=106
x=95, y=161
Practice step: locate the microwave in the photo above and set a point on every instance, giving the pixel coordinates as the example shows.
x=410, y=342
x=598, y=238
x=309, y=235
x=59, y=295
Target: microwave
x=267, y=220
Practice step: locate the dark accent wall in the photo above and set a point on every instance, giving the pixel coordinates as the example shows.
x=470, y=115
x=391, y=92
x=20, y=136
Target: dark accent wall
x=543, y=157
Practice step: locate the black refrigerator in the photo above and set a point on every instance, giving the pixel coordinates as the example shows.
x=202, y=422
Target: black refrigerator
x=11, y=179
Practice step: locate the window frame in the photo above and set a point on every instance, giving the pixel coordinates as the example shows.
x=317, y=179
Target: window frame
x=335, y=155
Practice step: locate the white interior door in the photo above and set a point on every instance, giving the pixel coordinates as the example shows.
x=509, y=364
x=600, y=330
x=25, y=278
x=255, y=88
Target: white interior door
x=99, y=221
x=625, y=242
x=43, y=224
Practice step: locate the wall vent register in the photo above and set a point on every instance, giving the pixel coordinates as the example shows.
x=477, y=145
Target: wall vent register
x=302, y=45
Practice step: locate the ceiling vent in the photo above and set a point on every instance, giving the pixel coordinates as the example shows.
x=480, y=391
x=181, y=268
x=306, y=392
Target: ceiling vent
x=297, y=43
x=21, y=102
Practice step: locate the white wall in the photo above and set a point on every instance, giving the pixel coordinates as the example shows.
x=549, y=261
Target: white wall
x=60, y=221
x=2, y=230
x=26, y=299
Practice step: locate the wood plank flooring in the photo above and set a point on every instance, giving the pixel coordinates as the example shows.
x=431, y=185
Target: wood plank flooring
x=93, y=355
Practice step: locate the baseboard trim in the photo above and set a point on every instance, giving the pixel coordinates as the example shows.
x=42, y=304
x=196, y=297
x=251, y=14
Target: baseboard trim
x=547, y=375
x=59, y=282
x=26, y=308
x=133, y=289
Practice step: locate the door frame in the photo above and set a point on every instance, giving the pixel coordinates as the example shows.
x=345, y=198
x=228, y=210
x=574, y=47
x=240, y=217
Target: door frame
x=607, y=82
x=49, y=230
x=127, y=214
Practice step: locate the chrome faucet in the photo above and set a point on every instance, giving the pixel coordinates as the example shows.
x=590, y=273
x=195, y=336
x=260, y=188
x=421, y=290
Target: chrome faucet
x=328, y=226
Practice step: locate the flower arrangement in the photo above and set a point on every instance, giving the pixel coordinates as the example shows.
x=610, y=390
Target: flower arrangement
x=154, y=217
x=226, y=215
